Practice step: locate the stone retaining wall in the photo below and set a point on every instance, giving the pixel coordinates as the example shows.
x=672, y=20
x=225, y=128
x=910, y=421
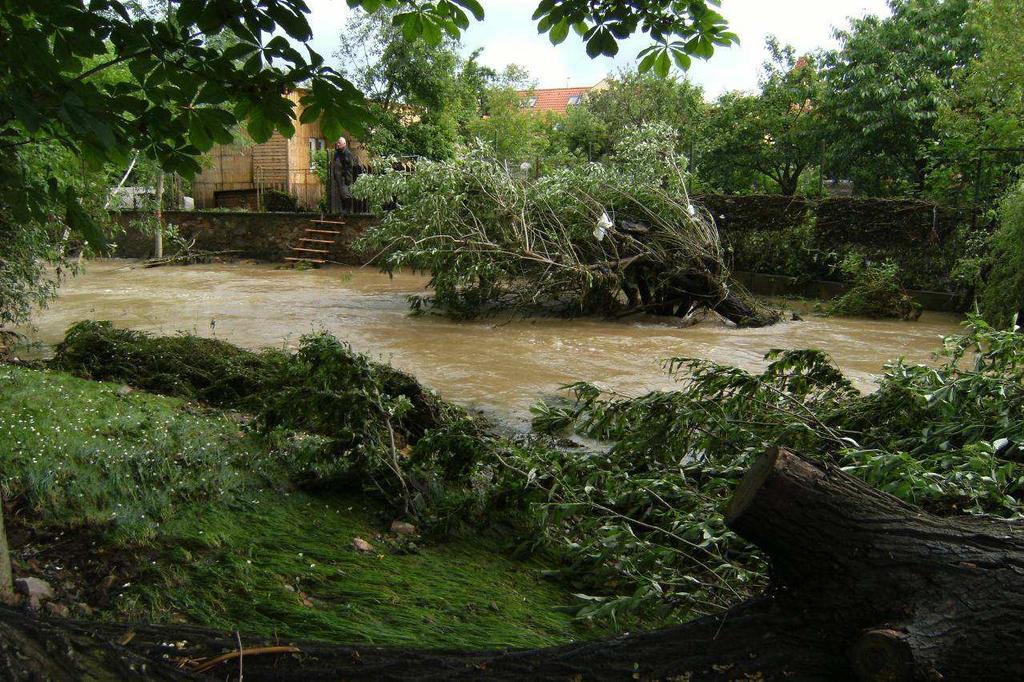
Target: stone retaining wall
x=261, y=236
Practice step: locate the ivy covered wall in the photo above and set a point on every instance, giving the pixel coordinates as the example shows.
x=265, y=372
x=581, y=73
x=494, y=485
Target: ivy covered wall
x=810, y=239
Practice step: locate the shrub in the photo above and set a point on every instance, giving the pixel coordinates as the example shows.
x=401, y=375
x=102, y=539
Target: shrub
x=584, y=239
x=1001, y=295
x=647, y=512
x=376, y=426
x=876, y=292
x=638, y=518
x=279, y=202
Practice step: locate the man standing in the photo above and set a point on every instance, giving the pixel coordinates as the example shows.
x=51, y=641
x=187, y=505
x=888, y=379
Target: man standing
x=341, y=176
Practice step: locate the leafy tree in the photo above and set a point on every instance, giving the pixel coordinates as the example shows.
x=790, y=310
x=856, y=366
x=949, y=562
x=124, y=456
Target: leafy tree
x=678, y=30
x=886, y=83
x=518, y=135
x=985, y=109
x=422, y=95
x=774, y=135
x=588, y=238
x=1001, y=295
x=631, y=100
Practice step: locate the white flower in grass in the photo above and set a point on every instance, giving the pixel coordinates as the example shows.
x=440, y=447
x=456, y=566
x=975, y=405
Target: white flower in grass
x=603, y=224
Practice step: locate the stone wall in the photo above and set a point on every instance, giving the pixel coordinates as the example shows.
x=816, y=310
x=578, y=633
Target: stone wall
x=261, y=236
x=738, y=213
x=808, y=239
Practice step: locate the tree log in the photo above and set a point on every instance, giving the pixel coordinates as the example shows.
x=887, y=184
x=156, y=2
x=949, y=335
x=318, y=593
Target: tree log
x=864, y=587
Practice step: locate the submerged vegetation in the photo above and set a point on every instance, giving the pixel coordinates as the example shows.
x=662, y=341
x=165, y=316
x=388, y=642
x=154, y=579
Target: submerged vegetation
x=635, y=519
x=610, y=238
x=875, y=292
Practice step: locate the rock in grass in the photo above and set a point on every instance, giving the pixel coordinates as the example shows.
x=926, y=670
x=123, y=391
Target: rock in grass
x=124, y=390
x=35, y=590
x=361, y=545
x=403, y=528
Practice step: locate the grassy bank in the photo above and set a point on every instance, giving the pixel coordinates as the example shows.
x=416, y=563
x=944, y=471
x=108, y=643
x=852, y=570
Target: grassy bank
x=152, y=508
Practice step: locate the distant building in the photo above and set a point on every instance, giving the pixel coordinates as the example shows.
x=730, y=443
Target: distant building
x=557, y=100
x=239, y=174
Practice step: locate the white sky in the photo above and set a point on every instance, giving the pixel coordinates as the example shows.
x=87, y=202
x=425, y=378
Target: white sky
x=508, y=35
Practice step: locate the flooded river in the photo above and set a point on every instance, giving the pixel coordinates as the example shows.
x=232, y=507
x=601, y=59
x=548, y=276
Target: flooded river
x=497, y=365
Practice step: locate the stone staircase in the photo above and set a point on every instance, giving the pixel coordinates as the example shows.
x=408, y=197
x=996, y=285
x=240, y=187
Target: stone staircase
x=315, y=244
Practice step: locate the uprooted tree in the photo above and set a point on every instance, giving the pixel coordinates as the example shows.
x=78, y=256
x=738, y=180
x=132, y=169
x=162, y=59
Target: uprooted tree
x=864, y=587
x=611, y=239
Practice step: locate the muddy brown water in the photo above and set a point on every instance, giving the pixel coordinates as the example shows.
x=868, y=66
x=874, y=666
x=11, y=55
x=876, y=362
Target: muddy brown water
x=500, y=366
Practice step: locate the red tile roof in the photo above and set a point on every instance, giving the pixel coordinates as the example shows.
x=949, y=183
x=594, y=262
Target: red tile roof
x=550, y=99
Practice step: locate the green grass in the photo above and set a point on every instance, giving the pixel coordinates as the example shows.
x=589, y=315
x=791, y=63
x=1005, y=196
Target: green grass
x=218, y=539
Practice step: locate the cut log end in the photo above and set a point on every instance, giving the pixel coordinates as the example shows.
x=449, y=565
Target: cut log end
x=753, y=481
x=883, y=655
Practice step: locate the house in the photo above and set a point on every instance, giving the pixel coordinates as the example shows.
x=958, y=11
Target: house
x=239, y=175
x=557, y=100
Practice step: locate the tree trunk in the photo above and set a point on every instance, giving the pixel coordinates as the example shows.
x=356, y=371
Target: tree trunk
x=864, y=587
x=158, y=235
x=744, y=311
x=912, y=596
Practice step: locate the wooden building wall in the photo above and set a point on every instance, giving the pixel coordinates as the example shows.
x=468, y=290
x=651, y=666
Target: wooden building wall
x=280, y=163
x=226, y=167
x=303, y=182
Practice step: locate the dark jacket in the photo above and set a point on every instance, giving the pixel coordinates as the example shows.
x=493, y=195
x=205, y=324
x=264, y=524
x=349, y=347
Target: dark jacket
x=343, y=172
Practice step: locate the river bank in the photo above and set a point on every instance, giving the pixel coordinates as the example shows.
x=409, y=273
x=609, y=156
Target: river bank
x=148, y=508
x=635, y=527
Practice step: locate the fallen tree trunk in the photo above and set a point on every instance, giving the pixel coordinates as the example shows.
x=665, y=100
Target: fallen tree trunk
x=864, y=587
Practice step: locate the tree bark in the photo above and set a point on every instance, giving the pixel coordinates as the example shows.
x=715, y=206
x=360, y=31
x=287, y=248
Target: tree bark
x=913, y=596
x=158, y=234
x=864, y=587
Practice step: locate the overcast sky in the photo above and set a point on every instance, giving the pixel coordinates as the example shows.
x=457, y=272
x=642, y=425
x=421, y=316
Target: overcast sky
x=508, y=35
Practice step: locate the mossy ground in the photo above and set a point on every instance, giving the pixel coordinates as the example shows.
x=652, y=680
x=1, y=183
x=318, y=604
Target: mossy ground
x=185, y=508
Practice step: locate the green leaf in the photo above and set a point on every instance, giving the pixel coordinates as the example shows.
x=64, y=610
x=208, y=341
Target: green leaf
x=647, y=62
x=559, y=32
x=663, y=64
x=704, y=48
x=431, y=32
x=259, y=126
x=81, y=223
x=412, y=25
x=293, y=23
x=473, y=6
